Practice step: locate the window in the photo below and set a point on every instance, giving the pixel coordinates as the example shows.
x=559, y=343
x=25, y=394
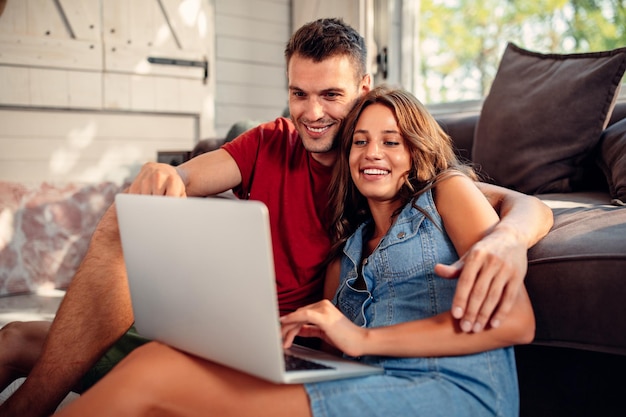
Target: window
x=461, y=41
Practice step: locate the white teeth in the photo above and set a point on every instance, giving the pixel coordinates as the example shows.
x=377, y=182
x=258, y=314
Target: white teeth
x=317, y=130
x=375, y=172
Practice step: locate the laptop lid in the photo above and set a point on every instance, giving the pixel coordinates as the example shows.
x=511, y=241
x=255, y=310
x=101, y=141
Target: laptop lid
x=201, y=278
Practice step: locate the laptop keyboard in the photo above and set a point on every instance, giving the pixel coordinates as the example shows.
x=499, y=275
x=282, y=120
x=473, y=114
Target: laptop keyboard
x=294, y=363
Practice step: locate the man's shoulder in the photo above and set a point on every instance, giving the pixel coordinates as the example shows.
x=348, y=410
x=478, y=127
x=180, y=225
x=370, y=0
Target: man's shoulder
x=279, y=132
x=278, y=127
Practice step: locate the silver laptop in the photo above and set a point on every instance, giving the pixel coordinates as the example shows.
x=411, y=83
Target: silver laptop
x=201, y=277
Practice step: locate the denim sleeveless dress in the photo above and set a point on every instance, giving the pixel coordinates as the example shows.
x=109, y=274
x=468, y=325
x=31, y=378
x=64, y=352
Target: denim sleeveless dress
x=401, y=286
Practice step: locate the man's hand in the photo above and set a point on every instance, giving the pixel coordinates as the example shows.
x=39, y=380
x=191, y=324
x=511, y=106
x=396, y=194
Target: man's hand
x=490, y=275
x=159, y=179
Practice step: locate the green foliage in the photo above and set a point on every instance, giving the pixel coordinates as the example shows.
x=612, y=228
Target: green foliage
x=462, y=40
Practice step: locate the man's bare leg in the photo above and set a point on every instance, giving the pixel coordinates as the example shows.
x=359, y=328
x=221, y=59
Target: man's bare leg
x=94, y=314
x=156, y=379
x=20, y=346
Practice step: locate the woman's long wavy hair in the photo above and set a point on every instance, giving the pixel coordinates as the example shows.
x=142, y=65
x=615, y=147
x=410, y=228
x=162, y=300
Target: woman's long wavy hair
x=432, y=158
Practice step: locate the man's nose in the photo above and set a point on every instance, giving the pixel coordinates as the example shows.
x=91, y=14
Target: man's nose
x=315, y=109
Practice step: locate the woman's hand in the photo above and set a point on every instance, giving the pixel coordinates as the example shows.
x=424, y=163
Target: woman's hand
x=325, y=321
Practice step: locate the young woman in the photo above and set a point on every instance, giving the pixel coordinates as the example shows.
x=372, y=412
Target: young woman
x=404, y=204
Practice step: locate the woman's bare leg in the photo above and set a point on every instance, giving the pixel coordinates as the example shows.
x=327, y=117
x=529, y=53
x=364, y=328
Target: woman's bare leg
x=20, y=346
x=157, y=380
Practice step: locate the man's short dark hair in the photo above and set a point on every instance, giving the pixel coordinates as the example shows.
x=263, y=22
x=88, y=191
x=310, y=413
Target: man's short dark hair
x=328, y=37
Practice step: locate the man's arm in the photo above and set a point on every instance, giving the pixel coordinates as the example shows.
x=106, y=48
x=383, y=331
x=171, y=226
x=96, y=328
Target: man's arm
x=491, y=272
x=207, y=174
x=96, y=310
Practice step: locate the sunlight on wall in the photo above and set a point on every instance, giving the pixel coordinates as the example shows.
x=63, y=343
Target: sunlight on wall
x=142, y=67
x=63, y=160
x=163, y=35
x=189, y=11
x=117, y=164
x=203, y=26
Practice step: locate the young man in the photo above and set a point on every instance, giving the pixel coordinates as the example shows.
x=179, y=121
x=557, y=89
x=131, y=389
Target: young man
x=286, y=164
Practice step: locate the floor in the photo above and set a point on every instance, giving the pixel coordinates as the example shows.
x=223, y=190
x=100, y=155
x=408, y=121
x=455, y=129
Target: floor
x=40, y=306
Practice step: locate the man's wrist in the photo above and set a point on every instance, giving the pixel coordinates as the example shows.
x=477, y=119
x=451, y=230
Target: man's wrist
x=182, y=173
x=512, y=233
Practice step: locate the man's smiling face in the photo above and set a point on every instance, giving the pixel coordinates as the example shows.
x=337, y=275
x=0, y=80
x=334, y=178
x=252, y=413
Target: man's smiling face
x=320, y=96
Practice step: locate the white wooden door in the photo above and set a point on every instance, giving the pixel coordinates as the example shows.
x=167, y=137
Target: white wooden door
x=104, y=68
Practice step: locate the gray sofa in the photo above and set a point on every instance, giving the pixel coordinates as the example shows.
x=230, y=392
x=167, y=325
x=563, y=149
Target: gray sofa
x=577, y=283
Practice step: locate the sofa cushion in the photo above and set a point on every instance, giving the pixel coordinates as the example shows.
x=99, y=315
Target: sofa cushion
x=576, y=275
x=612, y=160
x=543, y=116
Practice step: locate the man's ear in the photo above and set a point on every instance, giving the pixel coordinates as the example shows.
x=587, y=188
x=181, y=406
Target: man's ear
x=366, y=83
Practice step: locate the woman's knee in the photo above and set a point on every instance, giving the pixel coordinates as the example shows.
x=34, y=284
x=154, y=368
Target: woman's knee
x=146, y=365
x=144, y=376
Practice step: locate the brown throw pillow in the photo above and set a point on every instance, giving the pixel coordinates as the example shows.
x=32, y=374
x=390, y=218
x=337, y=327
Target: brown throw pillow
x=612, y=160
x=543, y=115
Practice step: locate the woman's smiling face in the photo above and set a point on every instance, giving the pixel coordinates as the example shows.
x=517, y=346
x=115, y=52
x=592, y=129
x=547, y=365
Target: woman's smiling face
x=379, y=157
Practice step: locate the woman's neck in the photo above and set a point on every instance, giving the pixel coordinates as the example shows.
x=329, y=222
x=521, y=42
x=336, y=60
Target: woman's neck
x=383, y=216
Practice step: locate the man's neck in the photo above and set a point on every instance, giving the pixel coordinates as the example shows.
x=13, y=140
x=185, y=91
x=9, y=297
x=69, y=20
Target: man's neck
x=325, y=158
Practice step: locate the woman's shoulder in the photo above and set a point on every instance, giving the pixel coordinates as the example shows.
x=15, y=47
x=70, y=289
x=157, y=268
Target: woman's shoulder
x=454, y=181
x=454, y=187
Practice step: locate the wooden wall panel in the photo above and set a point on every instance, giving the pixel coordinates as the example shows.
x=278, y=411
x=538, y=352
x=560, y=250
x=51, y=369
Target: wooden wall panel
x=72, y=125
x=134, y=60
x=43, y=19
x=41, y=87
x=116, y=91
x=250, y=51
x=246, y=74
x=84, y=90
x=250, y=40
x=189, y=21
x=268, y=11
x=258, y=102
x=83, y=18
x=14, y=86
x=48, y=87
x=256, y=29
x=50, y=53
x=86, y=146
x=14, y=19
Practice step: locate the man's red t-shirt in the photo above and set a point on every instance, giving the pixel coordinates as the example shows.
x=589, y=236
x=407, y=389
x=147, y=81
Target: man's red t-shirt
x=277, y=170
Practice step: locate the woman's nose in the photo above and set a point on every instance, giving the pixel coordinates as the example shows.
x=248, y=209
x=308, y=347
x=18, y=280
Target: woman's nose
x=373, y=150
